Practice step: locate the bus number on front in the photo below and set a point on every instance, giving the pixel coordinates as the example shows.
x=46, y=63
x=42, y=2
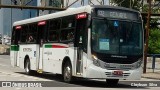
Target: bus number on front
x=101, y=13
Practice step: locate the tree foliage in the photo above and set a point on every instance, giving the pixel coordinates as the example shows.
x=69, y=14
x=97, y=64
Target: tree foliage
x=154, y=32
x=154, y=41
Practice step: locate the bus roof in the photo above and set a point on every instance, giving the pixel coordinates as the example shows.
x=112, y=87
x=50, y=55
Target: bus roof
x=68, y=12
x=53, y=15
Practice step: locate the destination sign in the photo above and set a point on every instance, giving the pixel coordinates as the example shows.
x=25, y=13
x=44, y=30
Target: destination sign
x=120, y=14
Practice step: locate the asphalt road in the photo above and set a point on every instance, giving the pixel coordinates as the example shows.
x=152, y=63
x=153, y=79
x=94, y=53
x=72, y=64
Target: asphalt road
x=8, y=73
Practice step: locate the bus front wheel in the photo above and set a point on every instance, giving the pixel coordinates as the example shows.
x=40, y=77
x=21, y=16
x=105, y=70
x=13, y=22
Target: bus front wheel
x=112, y=82
x=67, y=72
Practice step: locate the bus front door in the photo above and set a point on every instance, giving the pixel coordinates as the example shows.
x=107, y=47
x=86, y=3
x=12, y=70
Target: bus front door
x=79, y=64
x=40, y=41
x=79, y=43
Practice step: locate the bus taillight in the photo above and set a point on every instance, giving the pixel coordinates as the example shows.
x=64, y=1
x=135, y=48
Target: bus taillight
x=81, y=16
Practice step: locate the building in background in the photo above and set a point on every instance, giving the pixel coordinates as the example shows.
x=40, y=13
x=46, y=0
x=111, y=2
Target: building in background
x=30, y=13
x=52, y=3
x=68, y=4
x=8, y=16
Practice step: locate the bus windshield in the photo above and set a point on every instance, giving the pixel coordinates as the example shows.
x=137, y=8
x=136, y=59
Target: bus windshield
x=116, y=37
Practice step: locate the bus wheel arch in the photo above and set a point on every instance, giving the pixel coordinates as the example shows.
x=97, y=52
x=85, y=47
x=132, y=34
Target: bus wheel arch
x=67, y=70
x=25, y=60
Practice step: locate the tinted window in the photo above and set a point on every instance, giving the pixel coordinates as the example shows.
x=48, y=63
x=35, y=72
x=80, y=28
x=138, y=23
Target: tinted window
x=32, y=33
x=67, y=35
x=15, y=36
x=29, y=33
x=67, y=28
x=68, y=22
x=53, y=30
x=24, y=34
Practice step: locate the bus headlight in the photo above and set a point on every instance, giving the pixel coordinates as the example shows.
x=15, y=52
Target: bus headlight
x=138, y=64
x=95, y=61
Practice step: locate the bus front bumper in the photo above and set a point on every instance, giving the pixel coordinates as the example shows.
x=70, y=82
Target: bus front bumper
x=100, y=73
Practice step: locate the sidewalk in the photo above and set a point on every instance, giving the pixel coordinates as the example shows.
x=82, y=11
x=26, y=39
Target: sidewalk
x=152, y=75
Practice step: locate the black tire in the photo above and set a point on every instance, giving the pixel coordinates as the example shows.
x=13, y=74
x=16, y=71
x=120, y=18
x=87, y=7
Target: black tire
x=112, y=82
x=67, y=72
x=28, y=69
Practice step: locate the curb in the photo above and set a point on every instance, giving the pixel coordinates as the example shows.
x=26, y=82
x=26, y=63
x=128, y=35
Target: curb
x=151, y=78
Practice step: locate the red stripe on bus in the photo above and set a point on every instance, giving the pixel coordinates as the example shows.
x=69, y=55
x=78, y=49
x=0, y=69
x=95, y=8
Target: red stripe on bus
x=58, y=46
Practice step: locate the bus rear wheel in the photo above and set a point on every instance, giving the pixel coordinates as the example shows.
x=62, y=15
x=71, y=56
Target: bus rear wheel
x=112, y=82
x=28, y=69
x=67, y=72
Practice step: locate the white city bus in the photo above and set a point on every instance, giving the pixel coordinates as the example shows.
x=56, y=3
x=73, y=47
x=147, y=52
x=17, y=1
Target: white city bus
x=95, y=42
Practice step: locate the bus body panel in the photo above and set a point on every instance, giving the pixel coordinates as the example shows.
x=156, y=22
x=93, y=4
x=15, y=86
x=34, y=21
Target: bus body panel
x=31, y=51
x=13, y=58
x=14, y=55
x=53, y=58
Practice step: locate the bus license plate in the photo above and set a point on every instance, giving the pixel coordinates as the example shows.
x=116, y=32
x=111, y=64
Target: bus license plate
x=119, y=73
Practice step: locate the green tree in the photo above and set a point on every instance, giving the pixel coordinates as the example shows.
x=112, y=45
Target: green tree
x=154, y=41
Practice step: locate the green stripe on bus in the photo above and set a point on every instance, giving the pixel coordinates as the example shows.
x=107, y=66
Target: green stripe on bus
x=48, y=46
x=14, y=48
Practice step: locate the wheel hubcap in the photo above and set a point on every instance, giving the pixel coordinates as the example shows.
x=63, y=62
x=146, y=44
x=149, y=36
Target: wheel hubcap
x=27, y=67
x=67, y=73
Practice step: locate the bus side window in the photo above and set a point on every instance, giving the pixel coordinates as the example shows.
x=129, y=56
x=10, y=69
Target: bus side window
x=68, y=28
x=32, y=33
x=70, y=36
x=67, y=35
x=31, y=39
x=53, y=36
x=23, y=38
x=53, y=30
